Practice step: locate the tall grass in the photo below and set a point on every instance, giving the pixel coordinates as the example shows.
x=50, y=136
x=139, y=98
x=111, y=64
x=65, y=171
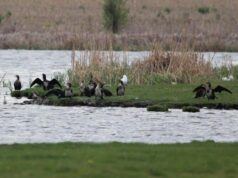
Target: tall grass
x=183, y=67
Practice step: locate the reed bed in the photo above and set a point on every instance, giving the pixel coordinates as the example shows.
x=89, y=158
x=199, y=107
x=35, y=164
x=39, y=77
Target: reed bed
x=158, y=66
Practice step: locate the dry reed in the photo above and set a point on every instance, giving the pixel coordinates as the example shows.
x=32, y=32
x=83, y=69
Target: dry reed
x=182, y=67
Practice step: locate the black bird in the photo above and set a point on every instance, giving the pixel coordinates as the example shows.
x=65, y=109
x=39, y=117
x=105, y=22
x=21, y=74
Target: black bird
x=46, y=84
x=206, y=90
x=89, y=89
x=17, y=83
x=106, y=92
x=120, y=88
x=67, y=92
x=100, y=91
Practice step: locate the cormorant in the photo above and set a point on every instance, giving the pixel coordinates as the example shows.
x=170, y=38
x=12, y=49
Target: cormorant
x=46, y=84
x=100, y=91
x=120, y=88
x=206, y=90
x=17, y=83
x=67, y=92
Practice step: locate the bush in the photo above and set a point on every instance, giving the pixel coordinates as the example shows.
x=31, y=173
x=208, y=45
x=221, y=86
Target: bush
x=158, y=108
x=115, y=15
x=203, y=10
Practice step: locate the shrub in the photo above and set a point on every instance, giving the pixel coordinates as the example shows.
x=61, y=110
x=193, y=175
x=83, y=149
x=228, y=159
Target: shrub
x=167, y=10
x=115, y=15
x=8, y=14
x=203, y=10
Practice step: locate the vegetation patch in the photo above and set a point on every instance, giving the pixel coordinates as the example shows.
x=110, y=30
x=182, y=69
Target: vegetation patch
x=204, y=10
x=190, y=109
x=158, y=108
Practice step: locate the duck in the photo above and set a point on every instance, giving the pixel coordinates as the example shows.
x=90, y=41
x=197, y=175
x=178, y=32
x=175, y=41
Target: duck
x=17, y=83
x=46, y=84
x=67, y=92
x=120, y=88
x=206, y=90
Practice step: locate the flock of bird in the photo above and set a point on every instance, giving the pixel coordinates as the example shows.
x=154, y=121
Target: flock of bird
x=96, y=88
x=93, y=88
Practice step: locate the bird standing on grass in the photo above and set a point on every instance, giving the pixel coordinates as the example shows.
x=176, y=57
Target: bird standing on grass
x=46, y=84
x=206, y=90
x=124, y=79
x=17, y=83
x=98, y=91
x=67, y=92
x=120, y=88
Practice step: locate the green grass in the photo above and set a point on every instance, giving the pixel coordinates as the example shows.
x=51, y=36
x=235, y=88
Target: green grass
x=195, y=160
x=171, y=95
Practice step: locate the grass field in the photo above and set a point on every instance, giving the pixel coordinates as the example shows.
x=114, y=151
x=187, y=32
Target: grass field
x=195, y=160
x=203, y=24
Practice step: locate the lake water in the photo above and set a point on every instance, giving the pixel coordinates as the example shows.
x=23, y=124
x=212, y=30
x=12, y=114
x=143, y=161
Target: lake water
x=36, y=124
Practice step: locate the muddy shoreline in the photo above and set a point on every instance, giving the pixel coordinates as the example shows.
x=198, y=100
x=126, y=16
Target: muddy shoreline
x=138, y=104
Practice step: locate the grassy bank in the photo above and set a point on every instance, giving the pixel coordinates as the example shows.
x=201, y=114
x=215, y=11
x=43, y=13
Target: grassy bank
x=197, y=23
x=174, y=96
x=73, y=160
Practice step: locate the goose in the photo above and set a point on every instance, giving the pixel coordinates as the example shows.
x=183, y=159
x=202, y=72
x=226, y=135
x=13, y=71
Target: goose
x=206, y=90
x=46, y=84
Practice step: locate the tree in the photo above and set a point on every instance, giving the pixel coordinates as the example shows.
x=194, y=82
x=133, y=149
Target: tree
x=115, y=15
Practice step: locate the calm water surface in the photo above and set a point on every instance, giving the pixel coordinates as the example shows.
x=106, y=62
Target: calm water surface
x=35, y=124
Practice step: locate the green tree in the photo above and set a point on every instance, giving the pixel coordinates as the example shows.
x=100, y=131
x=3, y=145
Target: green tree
x=115, y=14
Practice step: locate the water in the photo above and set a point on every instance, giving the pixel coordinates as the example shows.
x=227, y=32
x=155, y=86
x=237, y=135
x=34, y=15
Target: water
x=36, y=124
